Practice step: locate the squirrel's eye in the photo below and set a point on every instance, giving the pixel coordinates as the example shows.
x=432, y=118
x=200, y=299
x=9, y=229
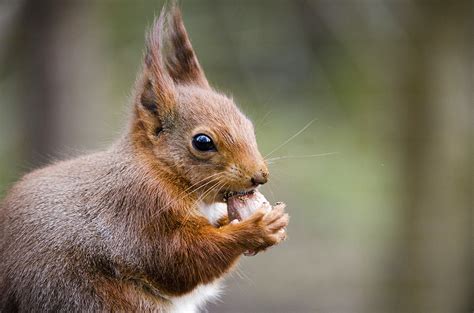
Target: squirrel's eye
x=203, y=142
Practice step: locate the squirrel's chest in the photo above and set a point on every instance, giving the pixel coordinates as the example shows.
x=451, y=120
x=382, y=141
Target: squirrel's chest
x=196, y=299
x=214, y=211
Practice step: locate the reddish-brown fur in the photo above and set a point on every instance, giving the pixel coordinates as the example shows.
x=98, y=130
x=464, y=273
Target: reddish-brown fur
x=120, y=230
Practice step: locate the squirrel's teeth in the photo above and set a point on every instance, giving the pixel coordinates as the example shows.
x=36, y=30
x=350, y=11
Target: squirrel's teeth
x=229, y=194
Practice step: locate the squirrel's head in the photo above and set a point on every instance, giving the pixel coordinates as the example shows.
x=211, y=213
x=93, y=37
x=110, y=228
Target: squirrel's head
x=187, y=128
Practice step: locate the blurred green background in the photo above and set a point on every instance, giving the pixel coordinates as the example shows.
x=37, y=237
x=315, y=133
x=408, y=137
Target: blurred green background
x=381, y=221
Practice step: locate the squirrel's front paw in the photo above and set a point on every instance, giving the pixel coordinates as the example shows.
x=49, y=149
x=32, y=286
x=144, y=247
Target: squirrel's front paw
x=268, y=229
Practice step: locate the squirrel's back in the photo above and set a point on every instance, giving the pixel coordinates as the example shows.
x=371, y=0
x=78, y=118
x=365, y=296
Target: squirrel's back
x=51, y=222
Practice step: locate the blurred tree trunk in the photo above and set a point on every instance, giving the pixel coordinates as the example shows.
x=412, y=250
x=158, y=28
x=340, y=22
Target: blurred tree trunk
x=435, y=252
x=48, y=52
x=38, y=46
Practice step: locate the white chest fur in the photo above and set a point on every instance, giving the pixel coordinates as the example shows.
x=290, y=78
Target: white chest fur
x=214, y=211
x=193, y=301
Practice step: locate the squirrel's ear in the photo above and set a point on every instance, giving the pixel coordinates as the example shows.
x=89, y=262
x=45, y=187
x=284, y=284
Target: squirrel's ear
x=180, y=59
x=155, y=89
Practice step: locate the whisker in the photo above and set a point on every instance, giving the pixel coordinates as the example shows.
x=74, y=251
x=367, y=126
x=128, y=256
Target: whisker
x=215, y=182
x=207, y=183
x=289, y=139
x=218, y=191
x=275, y=176
x=299, y=156
x=186, y=193
x=262, y=120
x=271, y=191
x=215, y=177
x=188, y=215
x=200, y=181
x=241, y=274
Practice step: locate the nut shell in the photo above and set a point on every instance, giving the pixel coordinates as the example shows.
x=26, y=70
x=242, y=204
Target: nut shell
x=241, y=207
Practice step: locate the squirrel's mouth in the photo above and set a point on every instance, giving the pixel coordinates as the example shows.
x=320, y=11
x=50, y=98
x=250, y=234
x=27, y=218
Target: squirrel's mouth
x=229, y=193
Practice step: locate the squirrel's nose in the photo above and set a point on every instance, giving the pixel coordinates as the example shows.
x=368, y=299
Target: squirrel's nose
x=260, y=178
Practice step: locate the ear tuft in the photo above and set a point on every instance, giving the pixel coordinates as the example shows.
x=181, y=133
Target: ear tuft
x=156, y=75
x=181, y=62
x=169, y=60
x=155, y=89
x=155, y=94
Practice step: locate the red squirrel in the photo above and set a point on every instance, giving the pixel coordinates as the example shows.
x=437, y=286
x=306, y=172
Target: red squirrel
x=142, y=225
